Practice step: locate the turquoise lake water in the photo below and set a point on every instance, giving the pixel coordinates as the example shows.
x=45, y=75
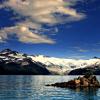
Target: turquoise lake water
x=33, y=88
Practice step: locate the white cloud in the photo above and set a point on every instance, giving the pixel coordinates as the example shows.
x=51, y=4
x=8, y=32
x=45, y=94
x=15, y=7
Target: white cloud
x=38, y=12
x=24, y=35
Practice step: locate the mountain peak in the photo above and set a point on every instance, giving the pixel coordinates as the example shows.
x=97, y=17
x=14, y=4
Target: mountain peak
x=8, y=51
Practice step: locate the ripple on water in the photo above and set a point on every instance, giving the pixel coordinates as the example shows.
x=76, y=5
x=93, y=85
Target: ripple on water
x=33, y=88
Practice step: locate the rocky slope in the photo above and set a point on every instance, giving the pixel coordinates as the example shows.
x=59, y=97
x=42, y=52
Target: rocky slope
x=81, y=71
x=12, y=62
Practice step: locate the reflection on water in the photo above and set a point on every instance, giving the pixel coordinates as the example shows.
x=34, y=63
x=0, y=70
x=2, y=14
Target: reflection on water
x=33, y=88
x=87, y=93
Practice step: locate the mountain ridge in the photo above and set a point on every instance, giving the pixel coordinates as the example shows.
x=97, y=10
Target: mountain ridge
x=52, y=65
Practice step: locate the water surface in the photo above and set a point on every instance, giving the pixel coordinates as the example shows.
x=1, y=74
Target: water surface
x=33, y=88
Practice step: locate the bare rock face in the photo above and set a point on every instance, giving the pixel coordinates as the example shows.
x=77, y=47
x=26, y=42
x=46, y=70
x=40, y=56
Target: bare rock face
x=85, y=81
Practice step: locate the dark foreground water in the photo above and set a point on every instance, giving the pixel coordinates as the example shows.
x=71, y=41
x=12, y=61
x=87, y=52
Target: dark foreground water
x=33, y=88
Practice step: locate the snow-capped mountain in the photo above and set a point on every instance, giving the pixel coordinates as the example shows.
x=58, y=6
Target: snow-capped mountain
x=12, y=62
x=61, y=66
x=43, y=64
x=9, y=55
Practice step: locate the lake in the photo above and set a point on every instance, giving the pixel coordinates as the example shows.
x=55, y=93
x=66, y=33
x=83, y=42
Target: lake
x=33, y=88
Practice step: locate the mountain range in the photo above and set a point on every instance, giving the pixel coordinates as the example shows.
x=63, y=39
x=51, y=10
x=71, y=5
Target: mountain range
x=13, y=62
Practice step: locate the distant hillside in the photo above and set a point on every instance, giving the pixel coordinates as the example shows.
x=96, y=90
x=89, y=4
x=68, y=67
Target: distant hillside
x=83, y=71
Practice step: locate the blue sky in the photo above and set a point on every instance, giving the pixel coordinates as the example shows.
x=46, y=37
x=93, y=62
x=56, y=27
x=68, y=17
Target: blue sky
x=63, y=28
